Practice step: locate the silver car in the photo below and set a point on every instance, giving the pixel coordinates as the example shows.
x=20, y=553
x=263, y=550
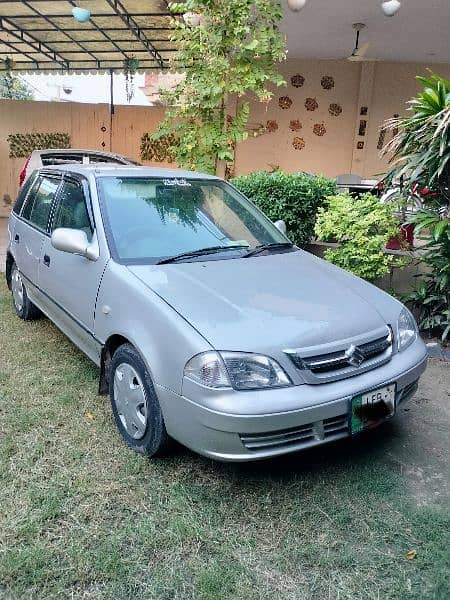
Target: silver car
x=64, y=156
x=207, y=324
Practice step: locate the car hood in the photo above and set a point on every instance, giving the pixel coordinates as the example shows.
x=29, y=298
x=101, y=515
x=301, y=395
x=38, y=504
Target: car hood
x=287, y=300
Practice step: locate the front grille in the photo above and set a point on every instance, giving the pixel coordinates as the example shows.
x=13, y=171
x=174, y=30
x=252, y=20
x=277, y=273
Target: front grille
x=302, y=436
x=345, y=362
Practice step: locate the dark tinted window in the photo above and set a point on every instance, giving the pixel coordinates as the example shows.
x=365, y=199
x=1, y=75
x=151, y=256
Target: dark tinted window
x=26, y=210
x=61, y=159
x=65, y=158
x=37, y=209
x=71, y=210
x=98, y=158
x=23, y=193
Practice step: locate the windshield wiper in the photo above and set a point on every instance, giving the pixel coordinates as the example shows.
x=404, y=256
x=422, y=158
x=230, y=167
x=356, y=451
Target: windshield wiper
x=199, y=252
x=272, y=246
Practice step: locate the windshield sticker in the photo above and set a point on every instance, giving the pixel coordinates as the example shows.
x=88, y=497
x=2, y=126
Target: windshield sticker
x=176, y=181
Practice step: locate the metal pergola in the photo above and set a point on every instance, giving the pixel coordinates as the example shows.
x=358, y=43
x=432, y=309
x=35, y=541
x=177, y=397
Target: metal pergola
x=43, y=36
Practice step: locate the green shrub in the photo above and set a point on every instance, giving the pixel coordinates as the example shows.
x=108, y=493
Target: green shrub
x=431, y=299
x=294, y=198
x=363, y=227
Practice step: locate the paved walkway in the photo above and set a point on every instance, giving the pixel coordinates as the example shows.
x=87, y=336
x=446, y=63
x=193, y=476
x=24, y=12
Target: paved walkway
x=3, y=238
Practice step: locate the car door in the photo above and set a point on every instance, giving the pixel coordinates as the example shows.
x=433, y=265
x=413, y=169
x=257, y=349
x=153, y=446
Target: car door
x=31, y=229
x=71, y=281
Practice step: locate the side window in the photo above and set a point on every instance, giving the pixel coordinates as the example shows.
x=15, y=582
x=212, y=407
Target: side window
x=23, y=193
x=98, y=158
x=39, y=204
x=71, y=210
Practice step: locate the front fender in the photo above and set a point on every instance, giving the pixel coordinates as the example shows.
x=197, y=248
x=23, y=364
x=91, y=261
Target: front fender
x=166, y=341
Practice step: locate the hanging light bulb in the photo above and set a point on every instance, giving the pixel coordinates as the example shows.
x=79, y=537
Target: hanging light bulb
x=296, y=5
x=391, y=7
x=81, y=14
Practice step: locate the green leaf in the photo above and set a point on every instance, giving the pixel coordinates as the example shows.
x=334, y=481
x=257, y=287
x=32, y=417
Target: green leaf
x=440, y=228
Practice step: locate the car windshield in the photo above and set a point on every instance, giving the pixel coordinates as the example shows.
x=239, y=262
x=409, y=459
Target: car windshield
x=150, y=219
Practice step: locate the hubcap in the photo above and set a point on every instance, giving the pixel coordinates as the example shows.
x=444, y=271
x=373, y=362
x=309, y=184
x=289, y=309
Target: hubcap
x=130, y=400
x=17, y=289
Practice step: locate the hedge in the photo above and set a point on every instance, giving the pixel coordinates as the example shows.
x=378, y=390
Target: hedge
x=293, y=197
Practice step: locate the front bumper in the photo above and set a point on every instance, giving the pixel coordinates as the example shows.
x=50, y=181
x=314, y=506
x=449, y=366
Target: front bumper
x=274, y=422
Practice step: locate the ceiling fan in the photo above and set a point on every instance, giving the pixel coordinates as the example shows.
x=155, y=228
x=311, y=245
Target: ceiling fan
x=360, y=51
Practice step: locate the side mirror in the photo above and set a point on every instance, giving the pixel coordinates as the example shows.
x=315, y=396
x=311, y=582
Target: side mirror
x=74, y=241
x=281, y=226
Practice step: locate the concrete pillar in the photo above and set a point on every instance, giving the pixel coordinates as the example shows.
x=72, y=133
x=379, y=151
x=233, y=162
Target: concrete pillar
x=365, y=94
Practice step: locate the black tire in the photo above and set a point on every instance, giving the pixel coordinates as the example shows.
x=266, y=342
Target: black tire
x=155, y=440
x=24, y=308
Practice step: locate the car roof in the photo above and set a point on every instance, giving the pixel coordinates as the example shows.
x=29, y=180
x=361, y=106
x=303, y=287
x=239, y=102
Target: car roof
x=76, y=151
x=105, y=170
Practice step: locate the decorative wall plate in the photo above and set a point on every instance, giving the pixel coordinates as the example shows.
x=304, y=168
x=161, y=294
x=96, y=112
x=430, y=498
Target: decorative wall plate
x=381, y=138
x=327, y=82
x=297, y=80
x=335, y=109
x=319, y=129
x=362, y=127
x=285, y=102
x=298, y=143
x=395, y=129
x=311, y=104
x=271, y=126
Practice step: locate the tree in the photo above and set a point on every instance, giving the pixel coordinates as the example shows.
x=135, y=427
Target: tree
x=11, y=87
x=227, y=50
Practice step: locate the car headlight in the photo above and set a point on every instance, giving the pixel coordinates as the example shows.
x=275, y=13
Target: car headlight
x=240, y=370
x=406, y=329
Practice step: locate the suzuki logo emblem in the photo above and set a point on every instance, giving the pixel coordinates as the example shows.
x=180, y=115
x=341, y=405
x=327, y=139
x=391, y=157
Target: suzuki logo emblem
x=354, y=356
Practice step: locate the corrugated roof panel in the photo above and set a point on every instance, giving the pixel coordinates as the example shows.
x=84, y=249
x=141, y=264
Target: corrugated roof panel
x=42, y=34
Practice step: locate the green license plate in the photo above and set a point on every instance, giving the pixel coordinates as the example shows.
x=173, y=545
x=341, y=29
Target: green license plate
x=370, y=409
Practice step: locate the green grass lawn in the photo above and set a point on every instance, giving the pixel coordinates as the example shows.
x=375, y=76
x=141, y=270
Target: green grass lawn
x=81, y=516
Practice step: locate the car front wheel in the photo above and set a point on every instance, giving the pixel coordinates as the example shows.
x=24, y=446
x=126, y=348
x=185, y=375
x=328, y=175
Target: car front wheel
x=134, y=403
x=25, y=309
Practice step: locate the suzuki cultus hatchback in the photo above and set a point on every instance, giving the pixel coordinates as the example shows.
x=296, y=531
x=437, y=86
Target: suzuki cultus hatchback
x=207, y=324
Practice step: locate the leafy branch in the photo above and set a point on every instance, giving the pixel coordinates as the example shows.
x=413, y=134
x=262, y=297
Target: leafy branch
x=232, y=49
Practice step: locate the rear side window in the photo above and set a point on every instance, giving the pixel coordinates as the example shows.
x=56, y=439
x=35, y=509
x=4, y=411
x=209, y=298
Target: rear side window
x=71, y=210
x=39, y=204
x=23, y=193
x=61, y=159
x=98, y=158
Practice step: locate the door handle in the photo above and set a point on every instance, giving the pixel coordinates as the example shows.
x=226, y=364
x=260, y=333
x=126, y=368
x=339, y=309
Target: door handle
x=17, y=238
x=46, y=260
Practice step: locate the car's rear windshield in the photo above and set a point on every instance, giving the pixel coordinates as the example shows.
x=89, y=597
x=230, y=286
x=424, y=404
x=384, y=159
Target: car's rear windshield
x=66, y=158
x=149, y=219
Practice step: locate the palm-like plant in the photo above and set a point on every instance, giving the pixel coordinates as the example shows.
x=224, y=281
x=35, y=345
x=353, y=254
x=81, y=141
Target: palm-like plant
x=421, y=149
x=421, y=154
